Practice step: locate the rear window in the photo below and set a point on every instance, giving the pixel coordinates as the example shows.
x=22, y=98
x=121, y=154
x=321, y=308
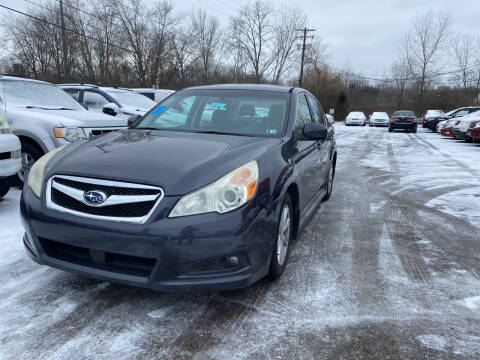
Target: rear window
x=404, y=113
x=356, y=114
x=234, y=112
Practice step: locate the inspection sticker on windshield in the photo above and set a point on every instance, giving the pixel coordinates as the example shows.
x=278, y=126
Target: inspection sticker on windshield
x=271, y=131
x=218, y=105
x=159, y=110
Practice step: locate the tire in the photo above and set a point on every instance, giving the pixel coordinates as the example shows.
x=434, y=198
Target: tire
x=280, y=253
x=414, y=130
x=331, y=176
x=30, y=154
x=4, y=186
x=390, y=129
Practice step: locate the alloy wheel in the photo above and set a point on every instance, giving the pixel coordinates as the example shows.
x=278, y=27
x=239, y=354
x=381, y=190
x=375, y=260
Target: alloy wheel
x=27, y=163
x=283, y=234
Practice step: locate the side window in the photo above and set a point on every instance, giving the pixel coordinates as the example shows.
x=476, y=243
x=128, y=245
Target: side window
x=94, y=100
x=461, y=113
x=302, y=115
x=317, y=111
x=74, y=93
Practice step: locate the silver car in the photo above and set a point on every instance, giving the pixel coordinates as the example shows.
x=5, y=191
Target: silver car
x=45, y=117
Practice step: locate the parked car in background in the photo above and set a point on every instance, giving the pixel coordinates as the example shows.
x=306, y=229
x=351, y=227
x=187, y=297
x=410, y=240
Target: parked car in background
x=10, y=156
x=113, y=101
x=432, y=115
x=356, y=118
x=44, y=117
x=474, y=132
x=447, y=129
x=403, y=120
x=457, y=113
x=330, y=119
x=210, y=203
x=379, y=119
x=462, y=126
x=440, y=125
x=156, y=95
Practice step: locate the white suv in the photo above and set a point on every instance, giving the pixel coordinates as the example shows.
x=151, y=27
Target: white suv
x=10, y=156
x=379, y=119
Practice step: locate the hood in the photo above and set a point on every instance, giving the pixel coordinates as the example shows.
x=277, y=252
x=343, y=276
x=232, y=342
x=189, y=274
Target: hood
x=134, y=110
x=179, y=162
x=74, y=118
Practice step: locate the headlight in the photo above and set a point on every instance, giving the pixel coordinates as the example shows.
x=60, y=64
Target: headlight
x=37, y=172
x=226, y=194
x=69, y=133
x=4, y=126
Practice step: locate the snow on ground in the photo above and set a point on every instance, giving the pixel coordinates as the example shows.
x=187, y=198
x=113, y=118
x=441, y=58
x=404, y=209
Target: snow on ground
x=388, y=268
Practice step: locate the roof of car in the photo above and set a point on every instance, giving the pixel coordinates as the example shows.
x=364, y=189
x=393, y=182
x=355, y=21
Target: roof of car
x=258, y=87
x=151, y=89
x=22, y=79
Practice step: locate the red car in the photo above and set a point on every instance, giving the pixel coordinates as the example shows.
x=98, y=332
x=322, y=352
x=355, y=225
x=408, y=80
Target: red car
x=447, y=131
x=474, y=133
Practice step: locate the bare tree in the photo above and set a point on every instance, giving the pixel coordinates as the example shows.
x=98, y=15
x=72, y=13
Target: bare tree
x=206, y=40
x=252, y=32
x=464, y=50
x=401, y=75
x=287, y=20
x=423, y=44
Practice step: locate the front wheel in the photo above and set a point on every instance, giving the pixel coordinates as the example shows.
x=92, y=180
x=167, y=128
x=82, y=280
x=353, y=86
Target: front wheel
x=390, y=129
x=4, y=187
x=283, y=239
x=30, y=154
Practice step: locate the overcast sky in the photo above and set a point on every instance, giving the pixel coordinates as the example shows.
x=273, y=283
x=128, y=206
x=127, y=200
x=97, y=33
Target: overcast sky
x=361, y=34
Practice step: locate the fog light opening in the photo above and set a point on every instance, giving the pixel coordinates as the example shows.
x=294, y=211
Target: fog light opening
x=232, y=260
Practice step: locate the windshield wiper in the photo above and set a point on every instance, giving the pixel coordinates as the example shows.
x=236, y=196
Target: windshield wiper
x=221, y=133
x=46, y=108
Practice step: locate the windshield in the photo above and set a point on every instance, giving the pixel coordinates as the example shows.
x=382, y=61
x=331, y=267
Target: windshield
x=234, y=112
x=354, y=114
x=380, y=115
x=434, y=113
x=36, y=94
x=132, y=99
x=404, y=113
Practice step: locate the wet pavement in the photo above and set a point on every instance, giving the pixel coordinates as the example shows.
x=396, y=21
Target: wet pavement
x=389, y=268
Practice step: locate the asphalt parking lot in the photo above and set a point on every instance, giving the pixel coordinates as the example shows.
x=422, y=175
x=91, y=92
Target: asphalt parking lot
x=389, y=268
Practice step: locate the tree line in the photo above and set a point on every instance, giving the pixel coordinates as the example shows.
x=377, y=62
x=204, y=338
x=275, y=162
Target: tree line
x=127, y=43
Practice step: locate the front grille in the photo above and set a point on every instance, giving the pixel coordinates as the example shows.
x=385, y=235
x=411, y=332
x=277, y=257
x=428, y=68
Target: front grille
x=125, y=202
x=5, y=156
x=109, y=190
x=122, y=210
x=125, y=264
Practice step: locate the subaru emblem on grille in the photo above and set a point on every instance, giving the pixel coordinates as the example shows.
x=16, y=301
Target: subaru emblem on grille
x=94, y=197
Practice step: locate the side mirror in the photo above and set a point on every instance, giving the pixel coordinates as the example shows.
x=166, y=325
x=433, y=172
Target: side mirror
x=110, y=109
x=313, y=131
x=132, y=120
x=330, y=120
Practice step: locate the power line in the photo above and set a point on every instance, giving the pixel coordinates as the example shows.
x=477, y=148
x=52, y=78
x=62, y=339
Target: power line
x=66, y=29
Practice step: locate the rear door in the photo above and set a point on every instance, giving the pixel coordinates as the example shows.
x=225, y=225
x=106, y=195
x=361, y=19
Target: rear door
x=324, y=146
x=307, y=160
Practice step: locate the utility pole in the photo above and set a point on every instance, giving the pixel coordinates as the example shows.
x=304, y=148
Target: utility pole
x=305, y=31
x=64, y=43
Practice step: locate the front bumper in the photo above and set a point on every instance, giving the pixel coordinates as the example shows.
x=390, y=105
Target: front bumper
x=355, y=122
x=460, y=135
x=447, y=132
x=172, y=255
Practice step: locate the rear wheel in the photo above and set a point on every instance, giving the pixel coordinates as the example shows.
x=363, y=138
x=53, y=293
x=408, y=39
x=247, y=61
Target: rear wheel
x=331, y=174
x=30, y=154
x=283, y=239
x=390, y=129
x=4, y=186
